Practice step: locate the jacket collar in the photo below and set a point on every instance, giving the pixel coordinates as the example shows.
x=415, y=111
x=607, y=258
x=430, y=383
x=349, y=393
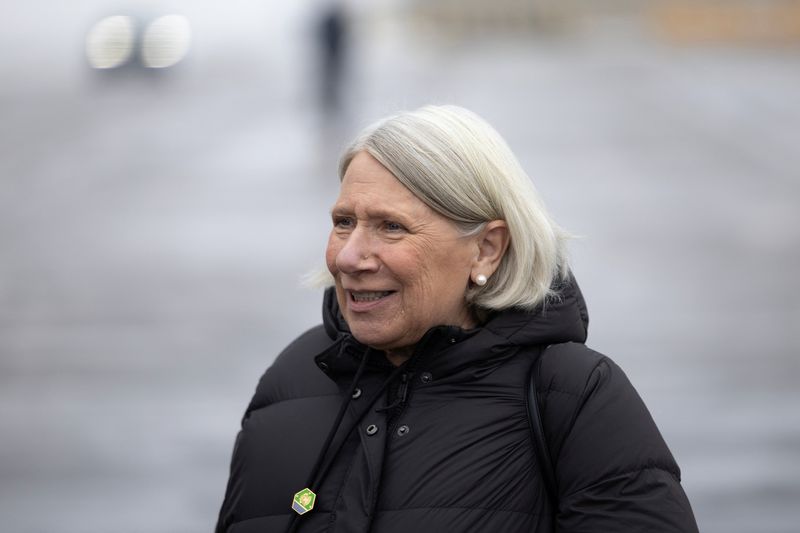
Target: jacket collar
x=444, y=350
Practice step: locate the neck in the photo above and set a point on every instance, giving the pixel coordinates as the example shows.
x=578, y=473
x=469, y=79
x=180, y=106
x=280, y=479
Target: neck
x=398, y=357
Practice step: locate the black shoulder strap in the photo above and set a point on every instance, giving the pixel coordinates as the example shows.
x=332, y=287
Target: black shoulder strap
x=538, y=436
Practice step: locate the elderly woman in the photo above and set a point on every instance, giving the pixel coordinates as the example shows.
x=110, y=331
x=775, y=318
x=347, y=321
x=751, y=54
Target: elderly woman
x=406, y=410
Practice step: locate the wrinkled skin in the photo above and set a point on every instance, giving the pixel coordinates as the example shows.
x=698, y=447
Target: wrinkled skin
x=384, y=238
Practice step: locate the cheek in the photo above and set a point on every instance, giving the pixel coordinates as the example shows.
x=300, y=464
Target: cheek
x=449, y=270
x=414, y=267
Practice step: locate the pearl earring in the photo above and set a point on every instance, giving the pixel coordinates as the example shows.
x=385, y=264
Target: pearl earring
x=480, y=280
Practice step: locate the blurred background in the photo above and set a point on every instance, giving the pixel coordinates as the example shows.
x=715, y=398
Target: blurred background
x=166, y=169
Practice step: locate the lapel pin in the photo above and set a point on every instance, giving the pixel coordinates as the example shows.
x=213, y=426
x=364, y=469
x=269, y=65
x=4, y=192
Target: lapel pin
x=303, y=501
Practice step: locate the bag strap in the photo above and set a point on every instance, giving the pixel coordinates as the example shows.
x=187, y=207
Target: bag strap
x=537, y=434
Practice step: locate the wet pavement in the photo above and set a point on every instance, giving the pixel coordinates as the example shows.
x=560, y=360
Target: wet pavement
x=153, y=230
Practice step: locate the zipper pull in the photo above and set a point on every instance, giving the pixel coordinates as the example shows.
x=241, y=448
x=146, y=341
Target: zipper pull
x=402, y=394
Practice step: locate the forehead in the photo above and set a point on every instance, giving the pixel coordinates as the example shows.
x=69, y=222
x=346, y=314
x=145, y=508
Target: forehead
x=368, y=184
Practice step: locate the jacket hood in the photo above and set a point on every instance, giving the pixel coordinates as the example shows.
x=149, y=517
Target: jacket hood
x=561, y=318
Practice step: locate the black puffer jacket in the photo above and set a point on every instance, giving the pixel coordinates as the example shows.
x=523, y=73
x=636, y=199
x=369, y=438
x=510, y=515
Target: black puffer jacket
x=446, y=445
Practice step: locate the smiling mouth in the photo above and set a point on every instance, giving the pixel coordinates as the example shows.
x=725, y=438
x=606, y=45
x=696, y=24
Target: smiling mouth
x=368, y=296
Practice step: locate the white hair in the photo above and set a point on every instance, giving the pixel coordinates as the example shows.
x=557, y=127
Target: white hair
x=459, y=166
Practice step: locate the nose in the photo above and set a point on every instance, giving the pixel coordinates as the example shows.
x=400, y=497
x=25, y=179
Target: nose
x=357, y=254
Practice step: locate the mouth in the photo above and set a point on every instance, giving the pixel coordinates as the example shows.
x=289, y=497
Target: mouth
x=368, y=296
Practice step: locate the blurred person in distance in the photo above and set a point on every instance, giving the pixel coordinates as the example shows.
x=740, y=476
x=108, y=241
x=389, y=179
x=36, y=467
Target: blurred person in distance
x=332, y=42
x=406, y=409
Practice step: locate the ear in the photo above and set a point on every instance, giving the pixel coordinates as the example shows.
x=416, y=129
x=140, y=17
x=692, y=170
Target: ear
x=492, y=245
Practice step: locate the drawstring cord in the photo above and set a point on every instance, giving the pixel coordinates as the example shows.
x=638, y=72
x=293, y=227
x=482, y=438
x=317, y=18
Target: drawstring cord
x=318, y=472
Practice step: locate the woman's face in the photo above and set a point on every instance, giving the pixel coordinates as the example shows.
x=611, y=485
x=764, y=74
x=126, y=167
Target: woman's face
x=400, y=267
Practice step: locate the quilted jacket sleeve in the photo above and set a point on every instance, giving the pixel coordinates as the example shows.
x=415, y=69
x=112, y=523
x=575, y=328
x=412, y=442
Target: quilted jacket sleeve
x=614, y=471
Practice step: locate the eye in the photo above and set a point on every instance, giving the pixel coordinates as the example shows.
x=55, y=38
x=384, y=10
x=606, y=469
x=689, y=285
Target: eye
x=342, y=222
x=393, y=227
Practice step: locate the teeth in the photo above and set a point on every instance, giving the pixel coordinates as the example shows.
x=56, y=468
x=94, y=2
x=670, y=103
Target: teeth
x=369, y=296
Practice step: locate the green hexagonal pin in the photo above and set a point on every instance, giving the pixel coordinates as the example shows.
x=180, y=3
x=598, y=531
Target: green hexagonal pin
x=303, y=501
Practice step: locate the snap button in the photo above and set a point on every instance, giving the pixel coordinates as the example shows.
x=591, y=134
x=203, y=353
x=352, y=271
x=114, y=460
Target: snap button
x=372, y=429
x=403, y=430
x=426, y=377
x=356, y=393
x=452, y=340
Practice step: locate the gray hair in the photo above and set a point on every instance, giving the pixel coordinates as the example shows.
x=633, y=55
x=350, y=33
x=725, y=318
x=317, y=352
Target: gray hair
x=459, y=166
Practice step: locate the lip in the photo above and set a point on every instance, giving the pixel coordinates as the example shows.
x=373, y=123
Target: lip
x=362, y=307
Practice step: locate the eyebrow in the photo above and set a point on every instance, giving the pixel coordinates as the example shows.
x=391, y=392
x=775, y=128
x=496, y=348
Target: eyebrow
x=370, y=212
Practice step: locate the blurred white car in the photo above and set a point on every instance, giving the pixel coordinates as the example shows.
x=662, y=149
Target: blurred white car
x=120, y=40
